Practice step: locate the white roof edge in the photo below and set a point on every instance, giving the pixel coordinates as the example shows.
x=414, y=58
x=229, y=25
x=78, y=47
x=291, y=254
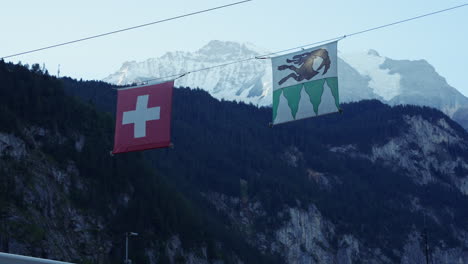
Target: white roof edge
x=6, y=258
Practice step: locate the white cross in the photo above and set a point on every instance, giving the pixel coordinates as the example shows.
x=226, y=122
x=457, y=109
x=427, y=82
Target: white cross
x=140, y=115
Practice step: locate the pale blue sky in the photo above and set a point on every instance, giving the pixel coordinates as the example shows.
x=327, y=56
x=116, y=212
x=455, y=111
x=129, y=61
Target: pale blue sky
x=270, y=24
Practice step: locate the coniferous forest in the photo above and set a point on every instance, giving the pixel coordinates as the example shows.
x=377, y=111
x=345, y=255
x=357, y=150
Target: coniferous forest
x=220, y=147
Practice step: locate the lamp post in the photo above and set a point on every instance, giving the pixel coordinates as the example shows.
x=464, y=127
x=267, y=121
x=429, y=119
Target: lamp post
x=126, y=244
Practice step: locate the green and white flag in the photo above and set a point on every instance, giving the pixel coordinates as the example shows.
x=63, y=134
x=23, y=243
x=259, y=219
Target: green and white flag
x=305, y=84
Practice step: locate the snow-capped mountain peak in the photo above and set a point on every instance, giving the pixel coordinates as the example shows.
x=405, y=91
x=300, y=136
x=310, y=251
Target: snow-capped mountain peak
x=382, y=81
x=228, y=50
x=245, y=81
x=364, y=75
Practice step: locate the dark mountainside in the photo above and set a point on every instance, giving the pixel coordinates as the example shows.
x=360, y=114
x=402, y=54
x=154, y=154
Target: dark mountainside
x=62, y=196
x=461, y=116
x=351, y=188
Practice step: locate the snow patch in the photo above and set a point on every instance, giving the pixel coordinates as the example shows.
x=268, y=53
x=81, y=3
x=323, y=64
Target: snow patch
x=381, y=81
x=362, y=76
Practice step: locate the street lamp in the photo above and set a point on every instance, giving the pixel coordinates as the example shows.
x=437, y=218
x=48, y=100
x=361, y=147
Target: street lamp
x=126, y=244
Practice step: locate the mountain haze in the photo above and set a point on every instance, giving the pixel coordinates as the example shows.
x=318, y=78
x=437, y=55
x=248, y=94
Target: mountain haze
x=407, y=82
x=362, y=76
x=246, y=81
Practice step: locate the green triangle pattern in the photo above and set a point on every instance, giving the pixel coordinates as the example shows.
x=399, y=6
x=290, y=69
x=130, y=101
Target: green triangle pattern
x=333, y=84
x=293, y=95
x=315, y=90
x=276, y=97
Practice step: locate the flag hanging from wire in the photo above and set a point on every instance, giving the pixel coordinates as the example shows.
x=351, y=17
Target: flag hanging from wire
x=305, y=84
x=143, y=118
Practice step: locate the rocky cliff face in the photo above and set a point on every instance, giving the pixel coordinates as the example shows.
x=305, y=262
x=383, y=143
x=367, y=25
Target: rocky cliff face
x=422, y=152
x=43, y=221
x=63, y=197
x=307, y=237
x=429, y=152
x=359, y=187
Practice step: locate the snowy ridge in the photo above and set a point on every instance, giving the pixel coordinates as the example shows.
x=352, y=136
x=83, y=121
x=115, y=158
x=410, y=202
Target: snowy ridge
x=246, y=81
x=365, y=75
x=382, y=82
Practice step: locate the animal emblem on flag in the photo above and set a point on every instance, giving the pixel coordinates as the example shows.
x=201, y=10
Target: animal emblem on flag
x=306, y=62
x=143, y=118
x=305, y=84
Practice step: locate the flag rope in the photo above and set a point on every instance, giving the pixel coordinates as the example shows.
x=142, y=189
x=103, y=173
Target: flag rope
x=267, y=56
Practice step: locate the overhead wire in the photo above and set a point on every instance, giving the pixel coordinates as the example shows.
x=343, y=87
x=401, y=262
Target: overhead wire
x=125, y=29
x=267, y=56
x=407, y=20
x=369, y=29
x=180, y=75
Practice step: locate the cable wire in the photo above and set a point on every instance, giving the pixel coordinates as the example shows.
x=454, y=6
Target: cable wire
x=371, y=29
x=266, y=56
x=406, y=20
x=125, y=29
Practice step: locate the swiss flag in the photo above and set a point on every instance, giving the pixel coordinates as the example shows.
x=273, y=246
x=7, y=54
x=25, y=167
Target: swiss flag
x=143, y=117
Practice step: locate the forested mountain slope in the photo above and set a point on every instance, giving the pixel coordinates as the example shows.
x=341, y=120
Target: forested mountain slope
x=62, y=196
x=357, y=187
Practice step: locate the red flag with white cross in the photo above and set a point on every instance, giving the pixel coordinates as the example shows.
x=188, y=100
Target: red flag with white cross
x=143, y=118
